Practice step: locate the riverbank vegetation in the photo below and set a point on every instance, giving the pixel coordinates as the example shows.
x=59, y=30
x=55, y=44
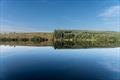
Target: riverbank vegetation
x=23, y=37
x=84, y=35
x=64, y=39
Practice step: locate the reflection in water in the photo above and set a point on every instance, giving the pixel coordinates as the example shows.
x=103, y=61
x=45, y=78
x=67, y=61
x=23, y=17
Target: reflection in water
x=84, y=44
x=59, y=44
x=45, y=63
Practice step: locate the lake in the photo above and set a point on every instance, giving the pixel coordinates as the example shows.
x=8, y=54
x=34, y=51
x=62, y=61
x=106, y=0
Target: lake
x=48, y=63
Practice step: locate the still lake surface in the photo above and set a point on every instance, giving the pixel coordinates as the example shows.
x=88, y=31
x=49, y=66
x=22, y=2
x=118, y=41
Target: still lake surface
x=47, y=63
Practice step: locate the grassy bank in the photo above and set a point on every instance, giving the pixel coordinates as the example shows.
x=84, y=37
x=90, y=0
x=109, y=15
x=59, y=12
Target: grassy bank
x=34, y=37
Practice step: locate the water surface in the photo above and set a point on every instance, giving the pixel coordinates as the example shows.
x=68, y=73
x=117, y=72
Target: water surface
x=47, y=63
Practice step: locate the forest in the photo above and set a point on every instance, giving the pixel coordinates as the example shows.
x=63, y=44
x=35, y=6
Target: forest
x=84, y=35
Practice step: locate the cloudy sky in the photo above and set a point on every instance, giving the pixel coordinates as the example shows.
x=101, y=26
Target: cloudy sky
x=48, y=15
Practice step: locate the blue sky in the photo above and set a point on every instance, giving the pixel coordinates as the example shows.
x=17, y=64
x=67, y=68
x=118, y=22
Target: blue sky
x=48, y=15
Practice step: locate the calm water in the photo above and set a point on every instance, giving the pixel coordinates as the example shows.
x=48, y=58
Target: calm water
x=47, y=63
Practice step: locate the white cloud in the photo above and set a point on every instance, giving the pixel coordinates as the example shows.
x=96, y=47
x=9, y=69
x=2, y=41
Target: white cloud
x=111, y=66
x=110, y=17
x=113, y=11
x=12, y=28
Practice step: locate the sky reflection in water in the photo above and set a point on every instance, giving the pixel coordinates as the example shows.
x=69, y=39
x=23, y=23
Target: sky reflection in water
x=46, y=63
